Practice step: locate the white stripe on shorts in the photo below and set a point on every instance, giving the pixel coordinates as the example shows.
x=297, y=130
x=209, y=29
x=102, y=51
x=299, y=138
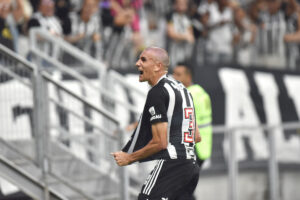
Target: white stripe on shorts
x=152, y=180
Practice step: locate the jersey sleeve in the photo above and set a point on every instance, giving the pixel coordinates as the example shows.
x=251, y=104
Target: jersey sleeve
x=157, y=106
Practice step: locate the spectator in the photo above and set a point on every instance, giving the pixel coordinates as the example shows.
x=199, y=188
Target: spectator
x=219, y=44
x=85, y=29
x=180, y=33
x=292, y=36
x=257, y=11
x=271, y=36
x=62, y=11
x=243, y=38
x=6, y=36
x=35, y=5
x=107, y=19
x=22, y=11
x=125, y=33
x=45, y=18
x=154, y=32
x=125, y=13
x=200, y=24
x=20, y=14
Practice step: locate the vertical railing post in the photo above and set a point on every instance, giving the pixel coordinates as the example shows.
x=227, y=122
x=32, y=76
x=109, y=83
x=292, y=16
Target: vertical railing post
x=40, y=126
x=124, y=180
x=232, y=165
x=273, y=167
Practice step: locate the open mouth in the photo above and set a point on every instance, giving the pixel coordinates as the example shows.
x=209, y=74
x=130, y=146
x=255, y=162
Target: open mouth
x=141, y=72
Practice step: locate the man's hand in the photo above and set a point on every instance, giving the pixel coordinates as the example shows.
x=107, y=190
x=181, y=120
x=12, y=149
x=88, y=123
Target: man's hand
x=122, y=158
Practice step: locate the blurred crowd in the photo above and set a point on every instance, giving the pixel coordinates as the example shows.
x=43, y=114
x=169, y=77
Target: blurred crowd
x=206, y=32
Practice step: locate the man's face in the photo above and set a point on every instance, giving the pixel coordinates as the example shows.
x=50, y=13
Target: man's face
x=146, y=66
x=181, y=6
x=89, y=7
x=180, y=74
x=47, y=8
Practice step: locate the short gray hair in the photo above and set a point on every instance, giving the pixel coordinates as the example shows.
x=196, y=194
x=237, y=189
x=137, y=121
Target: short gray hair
x=160, y=54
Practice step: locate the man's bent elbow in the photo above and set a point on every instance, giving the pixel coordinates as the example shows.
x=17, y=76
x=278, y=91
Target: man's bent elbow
x=164, y=146
x=161, y=146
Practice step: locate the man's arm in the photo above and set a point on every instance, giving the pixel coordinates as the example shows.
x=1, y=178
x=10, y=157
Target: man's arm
x=197, y=136
x=158, y=142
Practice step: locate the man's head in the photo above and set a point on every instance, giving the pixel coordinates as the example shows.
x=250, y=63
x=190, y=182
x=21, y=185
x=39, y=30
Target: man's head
x=181, y=6
x=46, y=7
x=152, y=64
x=88, y=9
x=5, y=8
x=183, y=74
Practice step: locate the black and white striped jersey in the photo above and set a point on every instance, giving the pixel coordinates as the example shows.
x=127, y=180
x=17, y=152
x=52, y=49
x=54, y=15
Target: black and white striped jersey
x=168, y=101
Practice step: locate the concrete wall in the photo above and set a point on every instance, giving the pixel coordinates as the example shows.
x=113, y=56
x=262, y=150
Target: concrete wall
x=251, y=186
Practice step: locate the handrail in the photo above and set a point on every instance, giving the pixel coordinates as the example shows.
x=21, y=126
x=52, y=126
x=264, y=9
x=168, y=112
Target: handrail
x=85, y=119
x=66, y=46
x=18, y=57
x=83, y=79
x=117, y=76
x=34, y=188
x=286, y=126
x=32, y=161
x=5, y=70
x=64, y=68
x=44, y=78
x=100, y=110
x=95, y=64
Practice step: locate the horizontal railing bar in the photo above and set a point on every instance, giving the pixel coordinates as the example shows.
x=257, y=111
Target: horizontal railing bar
x=119, y=78
x=85, y=135
x=83, y=79
x=285, y=126
x=68, y=47
x=17, y=57
x=66, y=69
x=12, y=74
x=99, y=110
x=85, y=119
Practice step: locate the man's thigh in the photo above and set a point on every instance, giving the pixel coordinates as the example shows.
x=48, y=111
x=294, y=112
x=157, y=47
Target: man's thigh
x=169, y=178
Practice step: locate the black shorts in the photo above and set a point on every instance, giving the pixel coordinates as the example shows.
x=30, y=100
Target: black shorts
x=171, y=180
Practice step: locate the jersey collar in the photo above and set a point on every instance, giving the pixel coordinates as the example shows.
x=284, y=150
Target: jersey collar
x=163, y=76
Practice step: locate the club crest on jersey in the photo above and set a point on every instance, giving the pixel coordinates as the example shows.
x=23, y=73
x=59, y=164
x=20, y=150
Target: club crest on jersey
x=152, y=110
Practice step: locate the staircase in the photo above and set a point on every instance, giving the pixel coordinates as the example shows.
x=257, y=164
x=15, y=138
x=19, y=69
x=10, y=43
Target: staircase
x=68, y=177
x=55, y=162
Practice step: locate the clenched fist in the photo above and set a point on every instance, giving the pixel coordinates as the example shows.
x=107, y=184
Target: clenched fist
x=122, y=158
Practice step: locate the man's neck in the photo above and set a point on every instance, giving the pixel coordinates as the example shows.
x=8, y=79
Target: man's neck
x=158, y=79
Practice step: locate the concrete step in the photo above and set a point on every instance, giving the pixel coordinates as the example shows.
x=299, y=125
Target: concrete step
x=71, y=176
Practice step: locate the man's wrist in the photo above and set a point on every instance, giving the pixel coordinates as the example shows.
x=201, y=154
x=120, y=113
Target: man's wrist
x=130, y=159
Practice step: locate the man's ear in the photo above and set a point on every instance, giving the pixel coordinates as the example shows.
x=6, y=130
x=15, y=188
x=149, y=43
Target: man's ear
x=158, y=67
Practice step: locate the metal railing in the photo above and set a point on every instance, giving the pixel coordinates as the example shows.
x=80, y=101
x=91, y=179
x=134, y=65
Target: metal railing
x=272, y=166
x=93, y=127
x=51, y=59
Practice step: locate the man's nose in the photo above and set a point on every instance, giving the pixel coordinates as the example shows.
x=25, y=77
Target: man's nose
x=137, y=64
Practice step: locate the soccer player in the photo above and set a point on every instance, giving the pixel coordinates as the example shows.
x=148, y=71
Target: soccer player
x=166, y=132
